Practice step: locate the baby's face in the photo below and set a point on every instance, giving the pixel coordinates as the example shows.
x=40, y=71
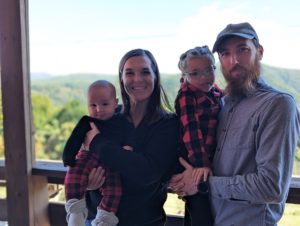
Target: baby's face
x=200, y=73
x=102, y=103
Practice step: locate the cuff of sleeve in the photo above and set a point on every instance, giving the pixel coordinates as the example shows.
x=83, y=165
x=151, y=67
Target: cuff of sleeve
x=220, y=187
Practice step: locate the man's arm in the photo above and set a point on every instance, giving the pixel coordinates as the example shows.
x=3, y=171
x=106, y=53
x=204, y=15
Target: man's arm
x=277, y=137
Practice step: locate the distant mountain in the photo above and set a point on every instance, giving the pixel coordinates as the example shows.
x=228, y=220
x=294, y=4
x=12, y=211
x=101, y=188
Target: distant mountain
x=287, y=80
x=40, y=76
x=62, y=89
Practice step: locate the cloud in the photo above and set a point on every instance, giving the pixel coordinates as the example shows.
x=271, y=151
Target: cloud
x=99, y=49
x=279, y=38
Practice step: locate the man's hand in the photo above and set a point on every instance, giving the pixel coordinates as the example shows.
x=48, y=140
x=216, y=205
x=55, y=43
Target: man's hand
x=183, y=184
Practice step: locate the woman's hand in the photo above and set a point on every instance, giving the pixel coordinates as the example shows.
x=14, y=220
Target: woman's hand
x=183, y=184
x=90, y=136
x=96, y=178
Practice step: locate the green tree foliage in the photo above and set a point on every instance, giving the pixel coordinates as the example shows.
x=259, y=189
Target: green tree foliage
x=59, y=102
x=55, y=137
x=43, y=109
x=71, y=112
x=53, y=125
x=60, y=126
x=298, y=151
x=63, y=103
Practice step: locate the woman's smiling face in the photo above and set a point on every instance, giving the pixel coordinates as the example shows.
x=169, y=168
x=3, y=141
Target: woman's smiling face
x=138, y=78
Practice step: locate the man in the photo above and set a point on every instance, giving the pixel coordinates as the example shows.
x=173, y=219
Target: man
x=257, y=136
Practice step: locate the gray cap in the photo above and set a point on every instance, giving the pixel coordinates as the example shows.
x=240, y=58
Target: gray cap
x=244, y=30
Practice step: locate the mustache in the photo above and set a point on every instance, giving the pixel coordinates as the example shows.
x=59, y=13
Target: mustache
x=236, y=67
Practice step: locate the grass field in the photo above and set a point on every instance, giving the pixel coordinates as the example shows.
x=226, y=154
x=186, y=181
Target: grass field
x=291, y=216
x=296, y=169
x=2, y=192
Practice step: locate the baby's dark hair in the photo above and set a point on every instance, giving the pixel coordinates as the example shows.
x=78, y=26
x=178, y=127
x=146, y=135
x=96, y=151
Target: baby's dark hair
x=103, y=83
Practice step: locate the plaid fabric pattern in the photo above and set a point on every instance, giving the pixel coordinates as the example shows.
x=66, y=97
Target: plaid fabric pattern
x=76, y=181
x=198, y=113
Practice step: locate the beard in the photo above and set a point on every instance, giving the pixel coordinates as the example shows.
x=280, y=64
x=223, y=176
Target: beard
x=246, y=82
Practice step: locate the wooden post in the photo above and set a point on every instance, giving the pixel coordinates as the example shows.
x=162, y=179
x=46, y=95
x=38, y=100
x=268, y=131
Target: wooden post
x=27, y=199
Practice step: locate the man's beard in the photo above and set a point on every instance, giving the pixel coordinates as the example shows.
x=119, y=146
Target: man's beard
x=246, y=82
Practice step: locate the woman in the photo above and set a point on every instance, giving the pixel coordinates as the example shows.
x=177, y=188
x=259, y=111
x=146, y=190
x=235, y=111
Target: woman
x=153, y=135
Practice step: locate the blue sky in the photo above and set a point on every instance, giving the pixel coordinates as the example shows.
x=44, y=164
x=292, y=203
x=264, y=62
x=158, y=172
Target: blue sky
x=71, y=36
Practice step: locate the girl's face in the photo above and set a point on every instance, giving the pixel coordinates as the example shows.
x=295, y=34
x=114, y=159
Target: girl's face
x=138, y=78
x=200, y=73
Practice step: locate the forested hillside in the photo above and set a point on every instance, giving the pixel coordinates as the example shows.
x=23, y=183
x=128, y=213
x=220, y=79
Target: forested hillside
x=62, y=89
x=59, y=102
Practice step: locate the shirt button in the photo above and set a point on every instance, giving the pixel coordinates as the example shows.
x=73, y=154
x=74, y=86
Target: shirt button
x=224, y=130
x=220, y=196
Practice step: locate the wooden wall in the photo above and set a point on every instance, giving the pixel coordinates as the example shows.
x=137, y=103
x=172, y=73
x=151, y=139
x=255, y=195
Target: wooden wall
x=26, y=194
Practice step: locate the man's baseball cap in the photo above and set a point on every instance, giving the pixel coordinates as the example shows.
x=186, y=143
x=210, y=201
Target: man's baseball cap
x=244, y=30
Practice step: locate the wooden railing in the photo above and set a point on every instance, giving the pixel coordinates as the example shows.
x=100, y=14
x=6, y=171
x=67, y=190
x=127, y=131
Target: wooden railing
x=55, y=173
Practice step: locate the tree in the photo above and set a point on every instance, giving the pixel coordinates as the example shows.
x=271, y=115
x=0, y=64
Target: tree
x=71, y=112
x=59, y=127
x=42, y=108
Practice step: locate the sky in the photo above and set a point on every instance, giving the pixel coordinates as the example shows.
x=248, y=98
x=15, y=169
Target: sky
x=91, y=36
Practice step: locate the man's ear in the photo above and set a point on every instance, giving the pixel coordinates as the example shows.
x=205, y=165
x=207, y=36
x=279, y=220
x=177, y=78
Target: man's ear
x=260, y=52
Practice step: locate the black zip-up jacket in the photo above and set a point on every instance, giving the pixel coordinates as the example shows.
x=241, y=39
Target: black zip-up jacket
x=144, y=171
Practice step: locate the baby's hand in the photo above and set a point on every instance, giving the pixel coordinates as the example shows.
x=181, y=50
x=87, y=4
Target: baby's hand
x=201, y=174
x=90, y=135
x=127, y=148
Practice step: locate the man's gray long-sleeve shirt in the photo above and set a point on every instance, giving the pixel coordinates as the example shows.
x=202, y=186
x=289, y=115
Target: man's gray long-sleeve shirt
x=257, y=137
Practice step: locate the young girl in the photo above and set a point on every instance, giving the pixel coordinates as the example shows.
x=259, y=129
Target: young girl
x=197, y=105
